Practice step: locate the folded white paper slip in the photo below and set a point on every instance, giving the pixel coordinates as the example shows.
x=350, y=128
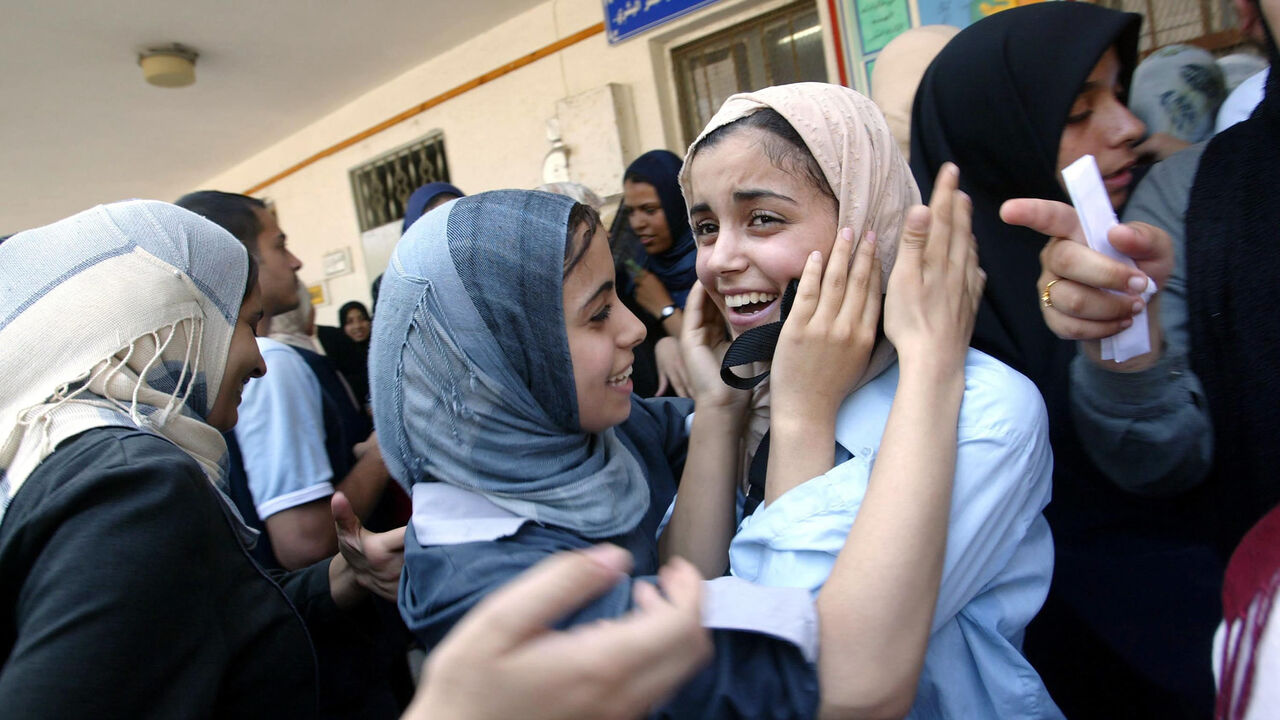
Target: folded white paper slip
x=1093, y=207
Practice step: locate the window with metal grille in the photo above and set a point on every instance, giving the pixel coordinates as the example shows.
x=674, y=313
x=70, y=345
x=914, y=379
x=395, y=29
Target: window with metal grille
x=783, y=46
x=382, y=186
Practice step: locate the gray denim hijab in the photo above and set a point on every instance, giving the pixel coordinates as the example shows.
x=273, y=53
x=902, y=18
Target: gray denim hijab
x=470, y=372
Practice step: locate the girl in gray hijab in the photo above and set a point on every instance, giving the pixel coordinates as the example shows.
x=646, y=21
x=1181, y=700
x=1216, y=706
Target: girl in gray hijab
x=500, y=369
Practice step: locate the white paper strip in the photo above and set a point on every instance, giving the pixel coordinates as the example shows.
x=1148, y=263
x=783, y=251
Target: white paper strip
x=1093, y=206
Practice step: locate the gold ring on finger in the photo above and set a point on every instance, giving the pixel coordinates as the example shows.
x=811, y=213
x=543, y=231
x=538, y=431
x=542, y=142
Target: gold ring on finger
x=1045, y=300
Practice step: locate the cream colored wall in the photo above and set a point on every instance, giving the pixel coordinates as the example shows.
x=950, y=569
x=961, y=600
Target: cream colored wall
x=495, y=135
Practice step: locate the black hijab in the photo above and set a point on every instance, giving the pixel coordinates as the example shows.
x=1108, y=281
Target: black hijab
x=350, y=357
x=1233, y=290
x=677, y=266
x=995, y=102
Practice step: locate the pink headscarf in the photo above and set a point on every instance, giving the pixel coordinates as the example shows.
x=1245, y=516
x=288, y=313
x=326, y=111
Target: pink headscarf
x=847, y=135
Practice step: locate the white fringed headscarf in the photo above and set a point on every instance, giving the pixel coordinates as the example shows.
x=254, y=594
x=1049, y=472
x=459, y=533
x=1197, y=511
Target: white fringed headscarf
x=121, y=315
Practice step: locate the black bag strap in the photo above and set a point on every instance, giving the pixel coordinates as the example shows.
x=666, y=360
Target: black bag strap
x=756, y=477
x=755, y=345
x=757, y=474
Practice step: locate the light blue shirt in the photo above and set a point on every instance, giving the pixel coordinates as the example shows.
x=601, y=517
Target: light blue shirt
x=999, y=557
x=281, y=433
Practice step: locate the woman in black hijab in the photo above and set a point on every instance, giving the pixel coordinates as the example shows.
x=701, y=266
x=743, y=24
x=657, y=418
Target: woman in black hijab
x=656, y=210
x=662, y=270
x=348, y=346
x=1127, y=628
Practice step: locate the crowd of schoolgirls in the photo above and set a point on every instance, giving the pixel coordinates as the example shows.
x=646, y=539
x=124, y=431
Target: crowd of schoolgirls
x=822, y=426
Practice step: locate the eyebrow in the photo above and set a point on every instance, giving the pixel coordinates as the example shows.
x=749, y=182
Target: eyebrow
x=1089, y=86
x=745, y=195
x=605, y=287
x=741, y=196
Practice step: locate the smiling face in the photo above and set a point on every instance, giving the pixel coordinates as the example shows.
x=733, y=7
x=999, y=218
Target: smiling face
x=601, y=333
x=356, y=325
x=244, y=362
x=1100, y=124
x=755, y=225
x=644, y=212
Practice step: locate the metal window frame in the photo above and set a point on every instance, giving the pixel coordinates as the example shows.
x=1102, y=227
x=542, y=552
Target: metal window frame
x=366, y=215
x=686, y=94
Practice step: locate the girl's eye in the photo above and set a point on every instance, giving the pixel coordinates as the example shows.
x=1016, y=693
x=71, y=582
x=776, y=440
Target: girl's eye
x=603, y=315
x=1079, y=117
x=1082, y=108
x=761, y=218
x=705, y=228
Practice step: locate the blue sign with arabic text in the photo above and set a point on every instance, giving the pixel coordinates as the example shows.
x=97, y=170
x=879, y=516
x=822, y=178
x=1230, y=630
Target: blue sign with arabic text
x=628, y=18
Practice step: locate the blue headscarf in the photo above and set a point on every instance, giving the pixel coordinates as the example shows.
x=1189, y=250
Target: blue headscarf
x=421, y=198
x=472, y=380
x=677, y=267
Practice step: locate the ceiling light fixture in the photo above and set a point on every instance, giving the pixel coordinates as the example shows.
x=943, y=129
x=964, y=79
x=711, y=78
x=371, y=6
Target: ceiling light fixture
x=169, y=66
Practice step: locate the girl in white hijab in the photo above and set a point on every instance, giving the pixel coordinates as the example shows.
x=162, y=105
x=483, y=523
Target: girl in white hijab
x=125, y=586
x=131, y=310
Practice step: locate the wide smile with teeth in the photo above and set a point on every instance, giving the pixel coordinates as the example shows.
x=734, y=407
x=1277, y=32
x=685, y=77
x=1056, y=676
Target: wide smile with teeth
x=749, y=302
x=621, y=377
